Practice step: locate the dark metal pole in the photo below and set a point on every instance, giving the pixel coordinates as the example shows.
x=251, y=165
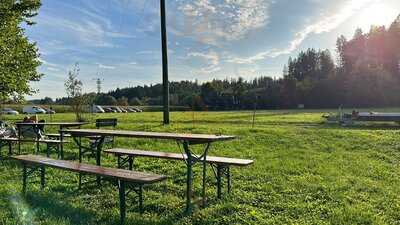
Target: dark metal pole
x=164, y=62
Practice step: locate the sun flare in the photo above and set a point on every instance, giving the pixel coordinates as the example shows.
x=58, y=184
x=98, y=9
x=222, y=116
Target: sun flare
x=377, y=14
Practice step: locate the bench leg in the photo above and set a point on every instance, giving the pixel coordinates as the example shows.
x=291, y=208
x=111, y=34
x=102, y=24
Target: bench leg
x=42, y=177
x=119, y=161
x=219, y=181
x=10, y=148
x=130, y=162
x=59, y=151
x=79, y=142
x=48, y=149
x=122, y=203
x=122, y=161
x=24, y=178
x=189, y=177
x=37, y=147
x=204, y=181
x=228, y=177
x=222, y=171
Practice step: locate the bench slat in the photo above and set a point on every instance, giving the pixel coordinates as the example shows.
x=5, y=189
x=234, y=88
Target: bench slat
x=57, y=135
x=33, y=140
x=127, y=175
x=178, y=156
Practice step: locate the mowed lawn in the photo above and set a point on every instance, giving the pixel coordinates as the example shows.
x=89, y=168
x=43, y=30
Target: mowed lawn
x=305, y=172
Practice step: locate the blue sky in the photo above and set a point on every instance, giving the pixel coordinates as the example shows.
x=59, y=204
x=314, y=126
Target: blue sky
x=119, y=40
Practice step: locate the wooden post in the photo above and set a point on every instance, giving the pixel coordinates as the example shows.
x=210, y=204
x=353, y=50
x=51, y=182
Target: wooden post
x=164, y=62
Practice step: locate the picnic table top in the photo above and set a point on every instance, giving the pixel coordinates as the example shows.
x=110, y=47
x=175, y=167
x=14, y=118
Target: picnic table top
x=151, y=135
x=53, y=123
x=127, y=175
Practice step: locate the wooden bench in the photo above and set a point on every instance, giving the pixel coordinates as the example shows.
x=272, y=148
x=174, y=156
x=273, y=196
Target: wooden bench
x=50, y=144
x=221, y=165
x=108, y=140
x=127, y=180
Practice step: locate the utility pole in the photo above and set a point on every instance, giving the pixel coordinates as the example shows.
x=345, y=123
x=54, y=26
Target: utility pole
x=99, y=82
x=164, y=62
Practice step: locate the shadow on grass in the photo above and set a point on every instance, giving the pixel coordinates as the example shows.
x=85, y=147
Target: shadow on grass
x=57, y=210
x=365, y=126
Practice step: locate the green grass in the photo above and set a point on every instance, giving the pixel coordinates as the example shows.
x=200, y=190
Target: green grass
x=305, y=172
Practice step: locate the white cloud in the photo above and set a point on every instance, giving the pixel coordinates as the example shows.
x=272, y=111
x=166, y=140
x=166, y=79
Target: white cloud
x=146, y=52
x=324, y=25
x=53, y=69
x=101, y=66
x=87, y=31
x=210, y=59
x=215, y=21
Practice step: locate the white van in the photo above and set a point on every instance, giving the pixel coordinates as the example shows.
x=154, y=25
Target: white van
x=33, y=110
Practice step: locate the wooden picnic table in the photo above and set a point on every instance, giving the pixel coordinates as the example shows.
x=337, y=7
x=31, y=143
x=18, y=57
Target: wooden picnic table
x=61, y=125
x=185, y=139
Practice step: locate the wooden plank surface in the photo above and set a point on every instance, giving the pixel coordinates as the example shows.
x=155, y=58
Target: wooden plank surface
x=51, y=141
x=151, y=135
x=178, y=156
x=127, y=175
x=54, y=123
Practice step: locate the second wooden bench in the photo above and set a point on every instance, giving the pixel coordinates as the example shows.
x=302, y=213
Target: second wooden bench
x=221, y=165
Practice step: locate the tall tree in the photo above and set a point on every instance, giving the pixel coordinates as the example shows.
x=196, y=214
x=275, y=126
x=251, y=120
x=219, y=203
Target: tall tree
x=19, y=58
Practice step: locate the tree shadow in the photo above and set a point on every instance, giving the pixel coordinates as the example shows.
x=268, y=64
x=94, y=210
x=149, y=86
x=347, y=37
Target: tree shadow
x=362, y=126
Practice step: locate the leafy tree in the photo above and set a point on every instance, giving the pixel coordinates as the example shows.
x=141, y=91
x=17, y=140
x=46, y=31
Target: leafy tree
x=123, y=101
x=19, y=58
x=106, y=100
x=46, y=101
x=135, y=101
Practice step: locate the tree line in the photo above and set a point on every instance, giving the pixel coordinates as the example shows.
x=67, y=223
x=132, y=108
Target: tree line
x=365, y=73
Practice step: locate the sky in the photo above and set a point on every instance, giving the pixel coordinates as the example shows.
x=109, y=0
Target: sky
x=119, y=41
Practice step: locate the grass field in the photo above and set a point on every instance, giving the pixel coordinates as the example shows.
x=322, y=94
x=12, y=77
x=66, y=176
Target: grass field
x=305, y=172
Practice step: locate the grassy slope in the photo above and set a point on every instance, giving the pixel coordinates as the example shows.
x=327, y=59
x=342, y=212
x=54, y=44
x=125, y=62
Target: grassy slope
x=305, y=172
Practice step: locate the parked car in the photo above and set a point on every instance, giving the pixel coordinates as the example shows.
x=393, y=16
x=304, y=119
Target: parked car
x=131, y=110
x=9, y=111
x=97, y=109
x=116, y=109
x=137, y=109
x=109, y=110
x=33, y=110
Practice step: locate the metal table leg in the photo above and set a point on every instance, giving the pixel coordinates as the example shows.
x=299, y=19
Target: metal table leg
x=99, y=144
x=98, y=156
x=190, y=161
x=189, y=177
x=61, y=140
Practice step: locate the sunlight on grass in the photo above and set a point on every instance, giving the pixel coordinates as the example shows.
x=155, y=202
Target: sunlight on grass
x=21, y=210
x=304, y=172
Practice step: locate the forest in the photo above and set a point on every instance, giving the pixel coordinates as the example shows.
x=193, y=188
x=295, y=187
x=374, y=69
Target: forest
x=363, y=72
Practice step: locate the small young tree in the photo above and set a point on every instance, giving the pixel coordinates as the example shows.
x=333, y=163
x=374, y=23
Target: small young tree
x=74, y=88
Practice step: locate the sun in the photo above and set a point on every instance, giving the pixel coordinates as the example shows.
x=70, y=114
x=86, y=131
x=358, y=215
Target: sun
x=376, y=14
